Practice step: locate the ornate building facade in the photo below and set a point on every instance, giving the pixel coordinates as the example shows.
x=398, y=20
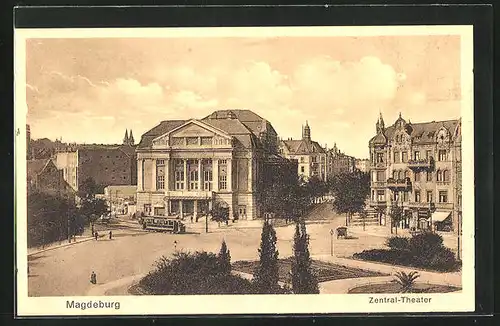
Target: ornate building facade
x=311, y=157
x=418, y=167
x=185, y=166
x=338, y=162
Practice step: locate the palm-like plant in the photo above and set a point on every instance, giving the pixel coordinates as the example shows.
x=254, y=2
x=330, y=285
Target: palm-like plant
x=406, y=280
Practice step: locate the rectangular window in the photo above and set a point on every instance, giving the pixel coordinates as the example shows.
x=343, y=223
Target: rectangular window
x=429, y=196
x=404, y=157
x=380, y=195
x=380, y=157
x=397, y=157
x=429, y=176
x=302, y=169
x=405, y=196
x=417, y=196
x=442, y=155
x=179, y=180
x=417, y=176
x=380, y=175
x=416, y=155
x=302, y=161
x=443, y=196
x=222, y=182
x=147, y=209
x=160, y=182
x=207, y=180
x=160, y=174
x=428, y=154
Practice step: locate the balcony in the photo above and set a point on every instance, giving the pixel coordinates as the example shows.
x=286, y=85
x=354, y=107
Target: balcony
x=378, y=165
x=378, y=184
x=444, y=206
x=398, y=183
x=423, y=163
x=378, y=203
x=424, y=205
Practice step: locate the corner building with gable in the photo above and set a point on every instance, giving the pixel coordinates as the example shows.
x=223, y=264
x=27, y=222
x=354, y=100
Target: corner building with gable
x=417, y=166
x=185, y=166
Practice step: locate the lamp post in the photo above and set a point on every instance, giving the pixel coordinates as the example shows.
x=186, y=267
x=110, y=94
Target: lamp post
x=459, y=216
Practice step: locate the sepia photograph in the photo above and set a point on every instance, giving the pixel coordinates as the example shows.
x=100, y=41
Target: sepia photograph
x=245, y=170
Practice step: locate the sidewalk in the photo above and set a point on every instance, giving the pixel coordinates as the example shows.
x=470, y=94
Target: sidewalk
x=453, y=279
x=101, y=289
x=56, y=245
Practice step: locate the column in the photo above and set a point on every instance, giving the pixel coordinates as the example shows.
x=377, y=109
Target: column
x=185, y=175
x=181, y=208
x=195, y=209
x=169, y=203
x=153, y=173
x=215, y=175
x=139, y=175
x=229, y=175
x=200, y=175
x=167, y=175
x=250, y=175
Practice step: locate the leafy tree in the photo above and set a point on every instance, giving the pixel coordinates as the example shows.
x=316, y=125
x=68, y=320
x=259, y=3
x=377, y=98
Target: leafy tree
x=406, y=280
x=396, y=214
x=90, y=206
x=224, y=259
x=350, y=191
x=219, y=213
x=266, y=273
x=303, y=279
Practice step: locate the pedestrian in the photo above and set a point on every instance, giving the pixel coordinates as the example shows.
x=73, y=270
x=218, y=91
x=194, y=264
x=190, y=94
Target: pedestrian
x=96, y=235
x=93, y=278
x=175, y=245
x=110, y=235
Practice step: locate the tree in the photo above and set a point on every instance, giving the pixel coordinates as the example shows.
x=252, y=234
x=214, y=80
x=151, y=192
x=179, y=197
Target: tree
x=219, y=213
x=90, y=206
x=266, y=274
x=350, y=191
x=303, y=279
x=224, y=258
x=396, y=214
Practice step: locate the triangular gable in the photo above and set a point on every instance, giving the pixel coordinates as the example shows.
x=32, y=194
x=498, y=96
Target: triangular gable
x=193, y=128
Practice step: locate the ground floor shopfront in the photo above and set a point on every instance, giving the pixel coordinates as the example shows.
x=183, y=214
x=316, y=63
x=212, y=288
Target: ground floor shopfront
x=420, y=216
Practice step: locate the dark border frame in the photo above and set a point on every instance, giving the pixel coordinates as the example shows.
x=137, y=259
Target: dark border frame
x=481, y=16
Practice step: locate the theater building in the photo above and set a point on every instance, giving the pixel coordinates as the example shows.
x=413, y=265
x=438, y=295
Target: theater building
x=418, y=167
x=184, y=167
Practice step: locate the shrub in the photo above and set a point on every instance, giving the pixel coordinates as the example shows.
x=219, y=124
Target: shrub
x=426, y=244
x=444, y=260
x=398, y=243
x=193, y=273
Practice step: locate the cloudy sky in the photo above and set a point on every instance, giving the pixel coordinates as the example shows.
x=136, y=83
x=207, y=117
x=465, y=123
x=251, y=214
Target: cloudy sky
x=91, y=90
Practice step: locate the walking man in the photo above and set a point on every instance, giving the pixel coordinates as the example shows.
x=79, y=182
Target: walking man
x=110, y=235
x=175, y=245
x=96, y=235
x=93, y=278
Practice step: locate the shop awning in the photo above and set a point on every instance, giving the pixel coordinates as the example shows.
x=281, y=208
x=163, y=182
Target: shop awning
x=440, y=216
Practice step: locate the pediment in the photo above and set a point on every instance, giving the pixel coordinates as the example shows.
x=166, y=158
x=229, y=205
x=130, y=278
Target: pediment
x=191, y=129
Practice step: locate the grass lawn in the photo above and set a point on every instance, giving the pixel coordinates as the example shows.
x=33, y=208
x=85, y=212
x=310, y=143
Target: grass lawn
x=324, y=271
x=393, y=287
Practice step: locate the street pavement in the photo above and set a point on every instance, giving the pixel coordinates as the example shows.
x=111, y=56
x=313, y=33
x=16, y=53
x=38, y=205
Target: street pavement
x=132, y=252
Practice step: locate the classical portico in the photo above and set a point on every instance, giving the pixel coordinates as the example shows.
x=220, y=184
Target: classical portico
x=186, y=166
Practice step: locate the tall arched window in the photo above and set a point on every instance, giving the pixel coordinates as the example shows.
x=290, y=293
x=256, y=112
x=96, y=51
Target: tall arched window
x=446, y=175
x=439, y=175
x=407, y=174
x=400, y=175
x=394, y=174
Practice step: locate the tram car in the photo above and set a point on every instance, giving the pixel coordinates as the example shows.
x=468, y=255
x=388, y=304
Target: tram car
x=163, y=224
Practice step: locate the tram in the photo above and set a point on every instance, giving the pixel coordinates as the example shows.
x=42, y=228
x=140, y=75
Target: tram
x=163, y=224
